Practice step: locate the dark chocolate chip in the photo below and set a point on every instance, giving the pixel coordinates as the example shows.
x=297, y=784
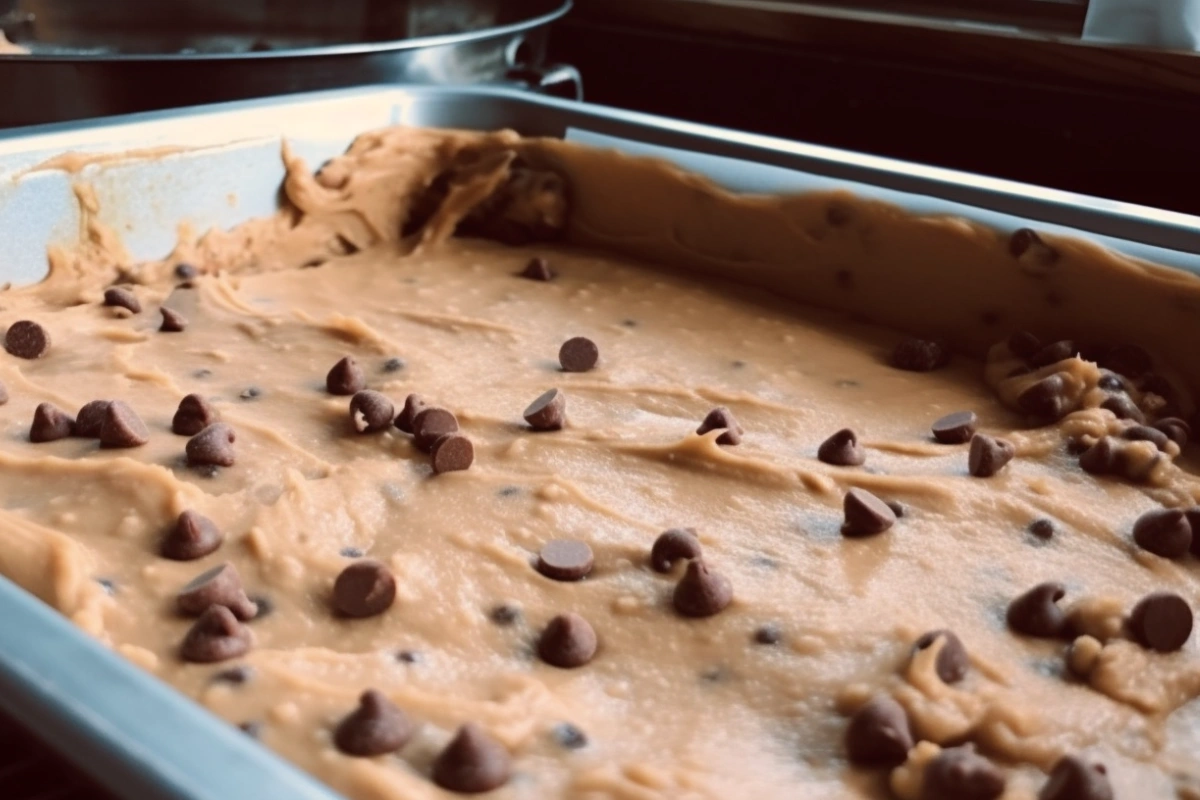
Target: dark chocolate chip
x=504, y=614
x=952, y=660
x=1072, y=778
x=376, y=727
x=345, y=378
x=234, y=675
x=569, y=641
x=865, y=514
x=1045, y=399
x=1036, y=612
x=413, y=405
x=1100, y=458
x=472, y=763
x=185, y=271
x=578, y=354
x=538, y=269
x=122, y=427
x=120, y=297
x=988, y=455
x=364, y=589
x=371, y=412
x=897, y=507
x=701, y=592
x=50, y=423
x=548, y=412
x=1161, y=621
x=1128, y=360
x=251, y=393
x=350, y=552
x=193, y=415
x=253, y=729
x=452, y=452
x=1176, y=429
x=768, y=634
x=721, y=418
x=393, y=365
x=955, y=428
x=565, y=560
x=220, y=586
x=216, y=636
x=212, y=446
x=1042, y=528
x=673, y=545
x=1165, y=532
x=569, y=736
x=879, y=733
x=26, y=339
x=172, y=321
x=1143, y=433
x=920, y=355
x=90, y=419
x=959, y=773
x=1111, y=382
x=408, y=657
x=431, y=424
x=1053, y=353
x=842, y=450
x=193, y=536
x=1123, y=407
x=1024, y=344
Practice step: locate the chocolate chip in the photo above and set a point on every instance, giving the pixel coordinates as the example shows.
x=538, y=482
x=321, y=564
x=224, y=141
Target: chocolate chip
x=920, y=355
x=1042, y=528
x=865, y=514
x=988, y=455
x=548, y=412
x=1111, y=382
x=193, y=536
x=955, y=428
x=1144, y=433
x=345, y=378
x=568, y=642
x=1100, y=458
x=26, y=339
x=172, y=321
x=413, y=405
x=185, y=271
x=472, y=763
x=952, y=660
x=1024, y=344
x=538, y=269
x=371, y=412
x=578, y=354
x=673, y=545
x=569, y=736
x=959, y=773
x=90, y=419
x=1123, y=407
x=504, y=614
x=768, y=634
x=565, y=560
x=234, y=675
x=431, y=424
x=509, y=491
x=1045, y=399
x=193, y=415
x=216, y=636
x=350, y=552
x=701, y=592
x=1176, y=429
x=221, y=586
x=50, y=423
x=1036, y=612
x=879, y=733
x=1165, y=532
x=1161, y=621
x=122, y=427
x=393, y=365
x=376, y=727
x=722, y=418
x=364, y=589
x=1128, y=360
x=1053, y=353
x=842, y=450
x=408, y=657
x=1072, y=778
x=452, y=453
x=212, y=446
x=120, y=297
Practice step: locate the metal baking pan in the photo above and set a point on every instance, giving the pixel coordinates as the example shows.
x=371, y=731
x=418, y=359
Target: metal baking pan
x=138, y=736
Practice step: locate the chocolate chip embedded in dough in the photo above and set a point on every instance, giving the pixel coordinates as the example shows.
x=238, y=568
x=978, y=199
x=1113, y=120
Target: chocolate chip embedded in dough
x=431, y=424
x=673, y=545
x=920, y=355
x=548, y=412
x=1176, y=429
x=865, y=514
x=1053, y=353
x=216, y=636
x=578, y=354
x=472, y=763
x=1165, y=532
x=842, y=450
x=1045, y=399
x=220, y=586
x=504, y=614
x=722, y=418
x=1123, y=407
x=565, y=560
x=50, y=423
x=1100, y=458
x=90, y=419
x=346, y=377
x=538, y=269
x=988, y=455
x=701, y=592
x=120, y=297
x=768, y=634
x=952, y=660
x=122, y=427
x=413, y=404
x=1036, y=612
x=26, y=339
x=452, y=452
x=1161, y=621
x=234, y=675
x=879, y=733
x=172, y=321
x=364, y=589
x=371, y=412
x=212, y=446
x=1145, y=433
x=570, y=736
x=376, y=727
x=193, y=415
x=1128, y=360
x=193, y=536
x=1024, y=344
x=1042, y=528
x=1072, y=778
x=569, y=641
x=955, y=428
x=185, y=271
x=393, y=365
x=959, y=773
